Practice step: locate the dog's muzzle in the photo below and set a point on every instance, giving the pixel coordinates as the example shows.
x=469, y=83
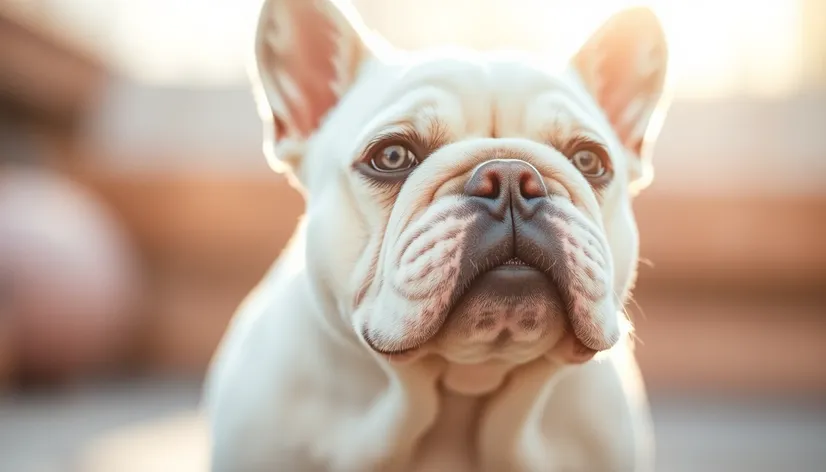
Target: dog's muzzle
x=517, y=241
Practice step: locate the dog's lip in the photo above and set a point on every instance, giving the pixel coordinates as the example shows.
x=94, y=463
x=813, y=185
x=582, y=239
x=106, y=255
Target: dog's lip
x=400, y=355
x=513, y=264
x=366, y=335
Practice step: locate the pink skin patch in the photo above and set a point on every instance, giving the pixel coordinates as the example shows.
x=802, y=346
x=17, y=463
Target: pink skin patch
x=429, y=267
x=410, y=308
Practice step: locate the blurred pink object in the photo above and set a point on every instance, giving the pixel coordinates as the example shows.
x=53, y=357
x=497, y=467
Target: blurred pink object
x=68, y=279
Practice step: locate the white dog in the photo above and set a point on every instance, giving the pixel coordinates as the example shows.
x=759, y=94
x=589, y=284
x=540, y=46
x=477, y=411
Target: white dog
x=453, y=298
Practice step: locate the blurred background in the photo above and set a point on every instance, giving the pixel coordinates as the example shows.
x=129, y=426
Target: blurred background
x=136, y=211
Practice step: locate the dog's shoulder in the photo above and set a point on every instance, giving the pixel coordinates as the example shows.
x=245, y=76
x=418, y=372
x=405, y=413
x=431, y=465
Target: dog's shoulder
x=253, y=330
x=250, y=377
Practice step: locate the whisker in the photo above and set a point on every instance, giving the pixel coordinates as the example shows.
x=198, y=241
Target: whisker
x=633, y=333
x=638, y=306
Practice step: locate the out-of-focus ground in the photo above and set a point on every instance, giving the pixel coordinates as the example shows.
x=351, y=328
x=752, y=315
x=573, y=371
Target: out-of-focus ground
x=154, y=426
x=136, y=211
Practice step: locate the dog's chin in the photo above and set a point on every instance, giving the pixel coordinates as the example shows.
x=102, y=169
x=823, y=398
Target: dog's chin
x=512, y=314
x=508, y=316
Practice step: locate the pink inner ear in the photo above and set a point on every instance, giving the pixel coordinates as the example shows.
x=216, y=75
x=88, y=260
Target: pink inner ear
x=630, y=92
x=623, y=66
x=304, y=55
x=311, y=66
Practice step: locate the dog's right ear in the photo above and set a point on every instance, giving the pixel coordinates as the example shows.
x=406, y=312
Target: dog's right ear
x=307, y=54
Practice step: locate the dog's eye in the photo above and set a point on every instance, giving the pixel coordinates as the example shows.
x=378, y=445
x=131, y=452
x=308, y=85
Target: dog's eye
x=394, y=158
x=589, y=163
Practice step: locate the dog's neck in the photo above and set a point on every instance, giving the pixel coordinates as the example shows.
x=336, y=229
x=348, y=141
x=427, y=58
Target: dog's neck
x=489, y=426
x=426, y=420
x=421, y=406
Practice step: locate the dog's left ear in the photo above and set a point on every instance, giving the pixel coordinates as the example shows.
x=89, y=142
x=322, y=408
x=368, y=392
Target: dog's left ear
x=623, y=65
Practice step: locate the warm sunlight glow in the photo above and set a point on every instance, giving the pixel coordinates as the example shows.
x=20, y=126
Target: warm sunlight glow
x=734, y=45
x=719, y=47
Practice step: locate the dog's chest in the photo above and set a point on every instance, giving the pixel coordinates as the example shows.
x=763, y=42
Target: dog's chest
x=451, y=444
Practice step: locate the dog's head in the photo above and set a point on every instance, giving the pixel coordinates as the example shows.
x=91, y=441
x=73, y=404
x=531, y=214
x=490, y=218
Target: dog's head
x=469, y=205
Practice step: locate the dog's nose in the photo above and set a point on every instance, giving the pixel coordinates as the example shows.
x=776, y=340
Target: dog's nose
x=500, y=182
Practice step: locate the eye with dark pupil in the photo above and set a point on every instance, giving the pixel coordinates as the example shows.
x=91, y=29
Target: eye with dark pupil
x=393, y=159
x=589, y=163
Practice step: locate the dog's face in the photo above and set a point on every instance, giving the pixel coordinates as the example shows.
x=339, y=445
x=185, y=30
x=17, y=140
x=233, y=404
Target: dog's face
x=473, y=206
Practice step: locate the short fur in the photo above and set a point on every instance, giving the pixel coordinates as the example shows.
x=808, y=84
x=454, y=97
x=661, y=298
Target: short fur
x=363, y=349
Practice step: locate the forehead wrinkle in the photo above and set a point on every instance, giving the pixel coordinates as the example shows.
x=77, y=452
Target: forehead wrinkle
x=449, y=72
x=428, y=121
x=583, y=101
x=564, y=119
x=519, y=86
x=462, y=82
x=445, y=76
x=417, y=110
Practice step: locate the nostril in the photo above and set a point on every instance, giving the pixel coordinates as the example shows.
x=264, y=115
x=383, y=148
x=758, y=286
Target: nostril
x=484, y=184
x=531, y=185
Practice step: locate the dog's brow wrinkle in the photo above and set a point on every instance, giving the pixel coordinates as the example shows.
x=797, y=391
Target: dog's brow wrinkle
x=437, y=133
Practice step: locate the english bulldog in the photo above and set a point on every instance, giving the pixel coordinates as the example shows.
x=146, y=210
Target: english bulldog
x=452, y=300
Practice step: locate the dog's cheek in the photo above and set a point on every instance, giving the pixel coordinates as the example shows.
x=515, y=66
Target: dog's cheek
x=336, y=239
x=418, y=281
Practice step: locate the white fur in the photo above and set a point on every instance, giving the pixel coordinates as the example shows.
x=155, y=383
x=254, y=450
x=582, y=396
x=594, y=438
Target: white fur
x=294, y=387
